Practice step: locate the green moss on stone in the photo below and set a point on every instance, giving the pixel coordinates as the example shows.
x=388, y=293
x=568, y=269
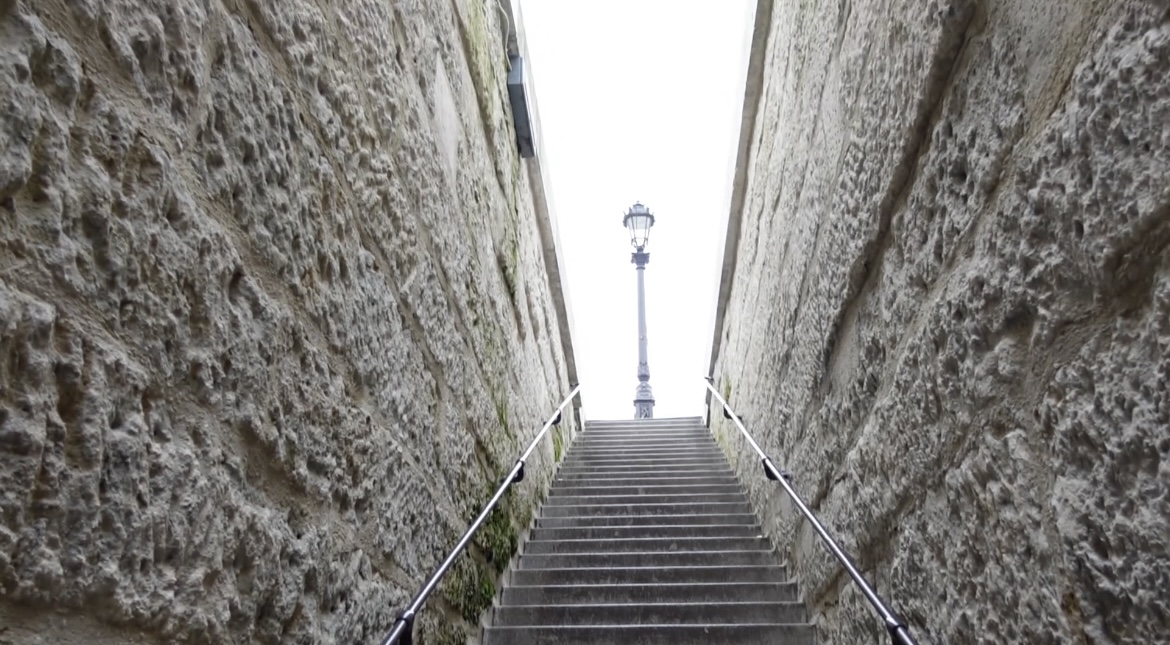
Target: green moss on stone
x=469, y=587
x=445, y=631
x=526, y=513
x=498, y=539
x=501, y=403
x=484, y=72
x=509, y=261
x=558, y=445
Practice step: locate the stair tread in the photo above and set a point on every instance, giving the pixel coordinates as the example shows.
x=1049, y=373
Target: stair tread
x=649, y=613
x=646, y=531
x=650, y=558
x=688, y=605
x=660, y=519
x=696, y=634
x=643, y=553
x=645, y=545
x=686, y=585
x=637, y=541
x=562, y=510
x=647, y=537
x=651, y=575
x=802, y=624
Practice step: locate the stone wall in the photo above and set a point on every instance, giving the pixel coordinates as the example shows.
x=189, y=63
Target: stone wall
x=274, y=317
x=947, y=311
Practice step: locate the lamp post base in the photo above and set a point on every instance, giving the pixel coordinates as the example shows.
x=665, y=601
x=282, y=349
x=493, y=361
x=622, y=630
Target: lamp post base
x=644, y=402
x=643, y=409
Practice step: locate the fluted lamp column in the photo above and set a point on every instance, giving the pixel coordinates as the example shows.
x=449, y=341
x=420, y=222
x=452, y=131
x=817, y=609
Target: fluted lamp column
x=638, y=221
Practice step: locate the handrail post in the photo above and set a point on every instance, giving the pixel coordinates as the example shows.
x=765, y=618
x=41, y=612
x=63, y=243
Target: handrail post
x=403, y=631
x=899, y=633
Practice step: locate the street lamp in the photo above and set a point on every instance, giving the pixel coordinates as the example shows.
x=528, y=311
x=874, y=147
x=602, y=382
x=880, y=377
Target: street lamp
x=638, y=222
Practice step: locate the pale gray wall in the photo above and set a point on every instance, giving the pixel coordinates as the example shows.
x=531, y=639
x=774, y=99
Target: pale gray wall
x=274, y=315
x=947, y=311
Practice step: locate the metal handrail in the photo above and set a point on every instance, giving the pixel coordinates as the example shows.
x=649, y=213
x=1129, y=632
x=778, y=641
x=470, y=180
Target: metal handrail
x=899, y=634
x=403, y=631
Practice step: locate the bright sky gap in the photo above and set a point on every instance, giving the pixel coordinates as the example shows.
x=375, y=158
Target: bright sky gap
x=640, y=100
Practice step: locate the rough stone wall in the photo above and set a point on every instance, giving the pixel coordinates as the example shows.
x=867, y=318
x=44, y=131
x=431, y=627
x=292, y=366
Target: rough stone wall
x=274, y=317
x=949, y=316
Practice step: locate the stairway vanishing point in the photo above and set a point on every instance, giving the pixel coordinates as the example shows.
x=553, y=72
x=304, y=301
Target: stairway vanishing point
x=647, y=538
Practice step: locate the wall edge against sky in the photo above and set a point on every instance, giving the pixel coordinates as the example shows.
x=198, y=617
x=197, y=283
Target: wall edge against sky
x=546, y=221
x=753, y=96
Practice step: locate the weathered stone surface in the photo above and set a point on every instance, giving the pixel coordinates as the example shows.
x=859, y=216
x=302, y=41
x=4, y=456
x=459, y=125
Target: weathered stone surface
x=273, y=317
x=950, y=313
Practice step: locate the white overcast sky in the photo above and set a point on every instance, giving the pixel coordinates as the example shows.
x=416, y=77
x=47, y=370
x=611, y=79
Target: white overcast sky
x=640, y=100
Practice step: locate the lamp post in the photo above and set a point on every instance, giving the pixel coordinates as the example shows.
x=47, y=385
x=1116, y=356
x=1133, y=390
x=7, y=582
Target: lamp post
x=638, y=222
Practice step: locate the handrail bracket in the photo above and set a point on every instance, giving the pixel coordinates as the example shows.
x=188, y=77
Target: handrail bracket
x=773, y=473
x=727, y=415
x=407, y=617
x=519, y=474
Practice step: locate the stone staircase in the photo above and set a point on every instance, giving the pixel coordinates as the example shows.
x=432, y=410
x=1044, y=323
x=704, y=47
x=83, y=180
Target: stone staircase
x=647, y=538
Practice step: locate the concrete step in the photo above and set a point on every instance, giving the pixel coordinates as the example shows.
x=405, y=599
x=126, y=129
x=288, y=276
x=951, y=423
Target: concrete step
x=703, y=439
x=686, y=470
x=676, y=422
x=627, y=428
x=655, y=460
x=641, y=426
x=704, y=613
x=674, y=435
x=646, y=443
x=647, y=575
x=648, y=465
x=620, y=560
x=761, y=634
x=647, y=537
x=655, y=457
x=678, y=498
x=633, y=532
x=641, y=478
x=659, y=593
x=665, y=519
x=701, y=508
x=648, y=434
x=657, y=451
x=649, y=480
x=605, y=477
x=660, y=474
x=563, y=490
x=642, y=545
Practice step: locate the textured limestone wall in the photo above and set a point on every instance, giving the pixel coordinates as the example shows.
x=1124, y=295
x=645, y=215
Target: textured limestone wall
x=274, y=316
x=949, y=315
